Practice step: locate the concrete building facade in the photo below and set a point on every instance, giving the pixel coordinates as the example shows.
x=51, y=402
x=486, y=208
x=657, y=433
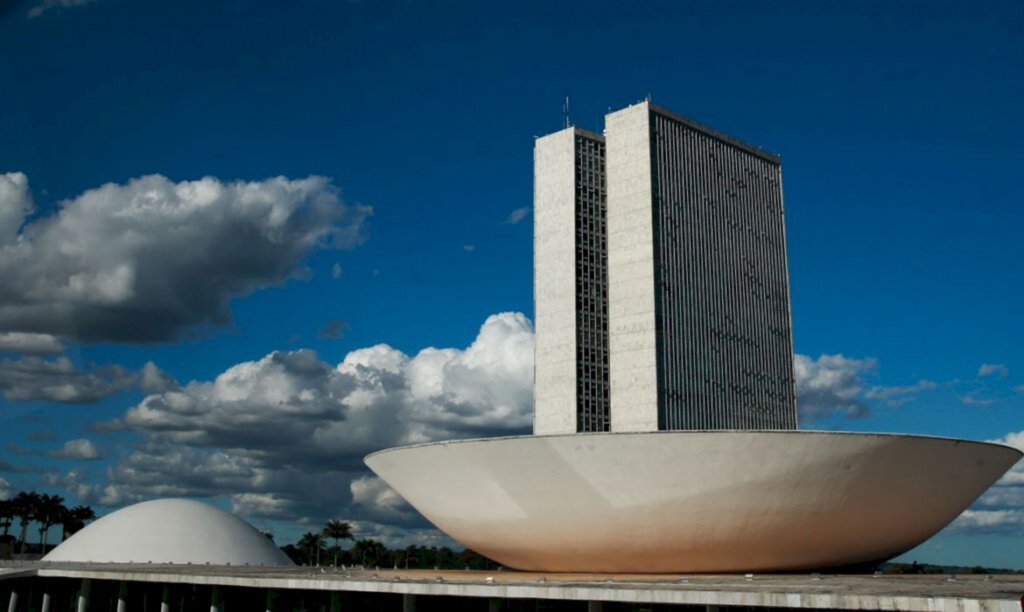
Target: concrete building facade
x=570, y=283
x=660, y=278
x=699, y=317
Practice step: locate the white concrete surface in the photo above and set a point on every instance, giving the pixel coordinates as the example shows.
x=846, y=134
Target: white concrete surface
x=693, y=501
x=554, y=282
x=170, y=531
x=632, y=329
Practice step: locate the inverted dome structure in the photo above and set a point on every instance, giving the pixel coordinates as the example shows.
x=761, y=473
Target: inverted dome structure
x=680, y=501
x=170, y=531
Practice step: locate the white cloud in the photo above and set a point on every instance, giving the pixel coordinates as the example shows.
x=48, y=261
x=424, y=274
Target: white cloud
x=15, y=204
x=45, y=5
x=152, y=379
x=830, y=384
x=989, y=369
x=30, y=344
x=147, y=260
x=5, y=490
x=469, y=248
x=380, y=502
x=336, y=271
x=1003, y=522
x=81, y=448
x=60, y=380
x=971, y=399
x=517, y=215
x=284, y=436
x=897, y=396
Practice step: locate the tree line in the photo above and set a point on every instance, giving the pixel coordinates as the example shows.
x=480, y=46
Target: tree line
x=313, y=549
x=47, y=511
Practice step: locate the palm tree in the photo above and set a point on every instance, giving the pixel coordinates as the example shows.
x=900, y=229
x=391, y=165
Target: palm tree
x=314, y=543
x=371, y=552
x=412, y=555
x=48, y=513
x=74, y=519
x=6, y=515
x=25, y=504
x=337, y=529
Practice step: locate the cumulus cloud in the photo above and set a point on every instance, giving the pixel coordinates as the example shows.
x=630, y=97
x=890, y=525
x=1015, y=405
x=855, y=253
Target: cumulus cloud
x=989, y=369
x=5, y=490
x=30, y=344
x=829, y=385
x=517, y=215
x=60, y=380
x=381, y=503
x=336, y=271
x=149, y=259
x=284, y=436
x=81, y=448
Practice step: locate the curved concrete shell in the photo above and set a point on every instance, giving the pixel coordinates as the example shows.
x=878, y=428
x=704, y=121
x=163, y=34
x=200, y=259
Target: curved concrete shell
x=693, y=501
x=170, y=531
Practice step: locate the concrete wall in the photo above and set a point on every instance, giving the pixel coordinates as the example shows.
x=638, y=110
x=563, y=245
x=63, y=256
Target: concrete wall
x=631, y=298
x=554, y=283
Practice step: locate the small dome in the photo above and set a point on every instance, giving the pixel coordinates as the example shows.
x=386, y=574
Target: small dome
x=170, y=531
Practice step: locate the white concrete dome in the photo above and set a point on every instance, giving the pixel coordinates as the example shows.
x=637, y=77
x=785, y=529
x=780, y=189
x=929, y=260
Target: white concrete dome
x=170, y=531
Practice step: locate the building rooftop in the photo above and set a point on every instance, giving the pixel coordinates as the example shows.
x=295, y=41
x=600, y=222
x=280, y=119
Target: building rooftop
x=1000, y=592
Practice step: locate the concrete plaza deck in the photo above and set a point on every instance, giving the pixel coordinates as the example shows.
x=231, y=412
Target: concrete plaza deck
x=999, y=592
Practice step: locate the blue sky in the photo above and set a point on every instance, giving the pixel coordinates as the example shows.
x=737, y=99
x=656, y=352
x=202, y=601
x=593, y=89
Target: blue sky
x=898, y=124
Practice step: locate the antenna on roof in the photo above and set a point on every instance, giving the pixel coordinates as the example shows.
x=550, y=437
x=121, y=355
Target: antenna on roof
x=565, y=111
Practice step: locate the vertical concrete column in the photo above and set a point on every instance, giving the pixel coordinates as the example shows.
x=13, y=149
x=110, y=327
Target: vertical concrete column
x=165, y=599
x=408, y=602
x=271, y=597
x=122, y=597
x=83, y=596
x=12, y=604
x=336, y=602
x=45, y=607
x=215, y=599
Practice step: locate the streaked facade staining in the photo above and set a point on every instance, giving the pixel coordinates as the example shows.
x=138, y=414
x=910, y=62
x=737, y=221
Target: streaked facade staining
x=661, y=285
x=571, y=391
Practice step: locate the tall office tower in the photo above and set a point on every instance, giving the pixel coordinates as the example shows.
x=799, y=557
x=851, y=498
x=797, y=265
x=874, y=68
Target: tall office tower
x=699, y=319
x=571, y=392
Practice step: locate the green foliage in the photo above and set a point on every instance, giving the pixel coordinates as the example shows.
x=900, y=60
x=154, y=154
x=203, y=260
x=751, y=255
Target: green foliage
x=371, y=553
x=45, y=511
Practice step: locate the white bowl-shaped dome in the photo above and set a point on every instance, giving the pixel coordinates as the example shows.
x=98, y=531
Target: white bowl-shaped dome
x=170, y=531
x=724, y=501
